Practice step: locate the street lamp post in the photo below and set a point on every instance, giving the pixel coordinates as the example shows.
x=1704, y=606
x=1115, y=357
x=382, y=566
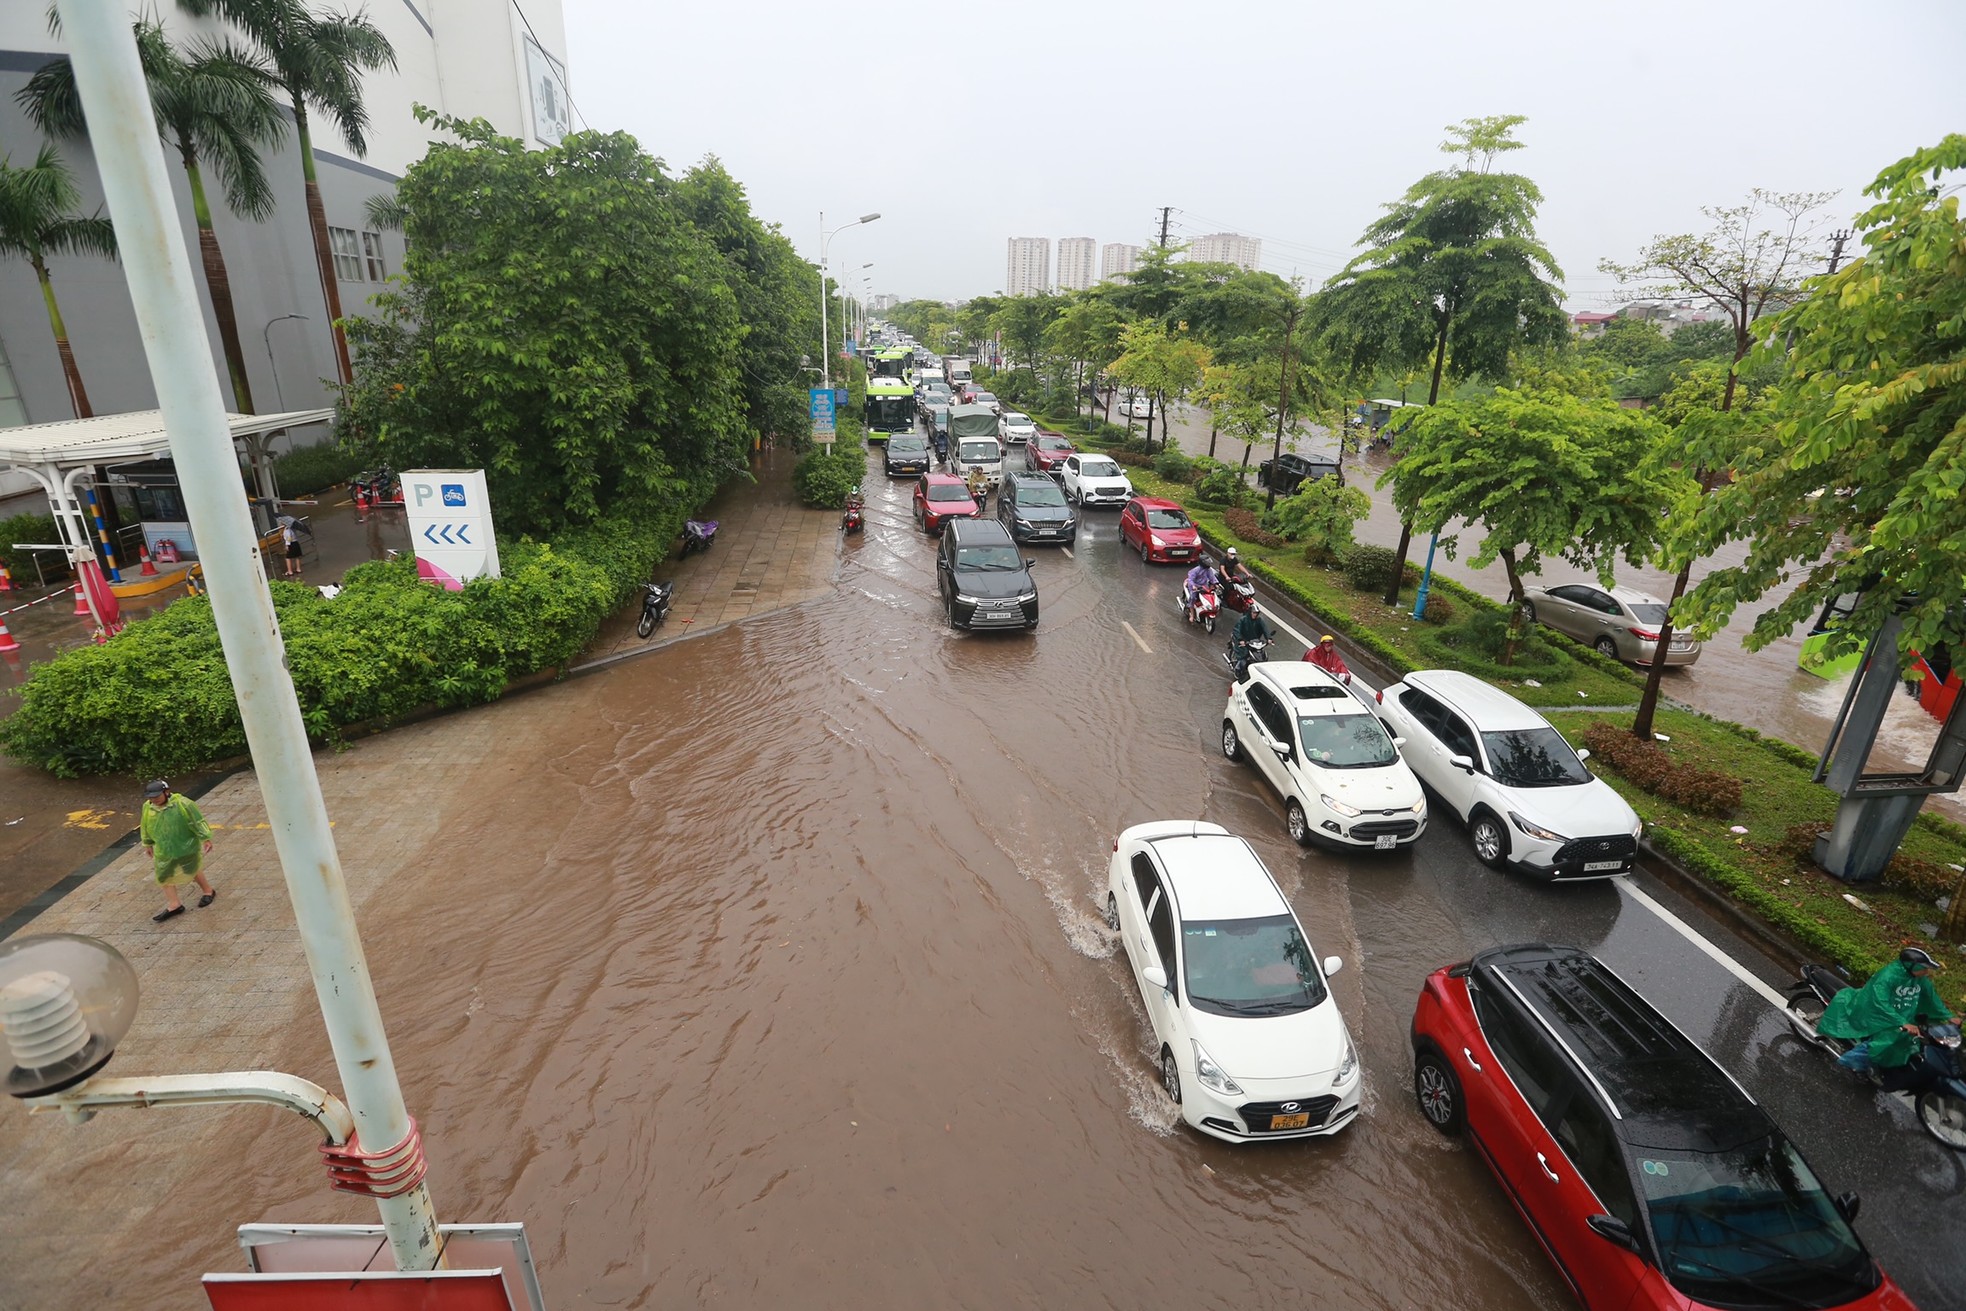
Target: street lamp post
x=825, y=305
x=266, y=336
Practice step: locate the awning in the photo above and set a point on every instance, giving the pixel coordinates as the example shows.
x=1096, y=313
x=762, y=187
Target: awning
x=114, y=438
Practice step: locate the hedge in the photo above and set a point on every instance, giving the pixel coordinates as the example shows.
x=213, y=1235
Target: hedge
x=157, y=698
x=305, y=470
x=1646, y=765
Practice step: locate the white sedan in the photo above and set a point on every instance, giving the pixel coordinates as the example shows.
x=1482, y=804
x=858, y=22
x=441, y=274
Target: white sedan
x=1340, y=775
x=1018, y=428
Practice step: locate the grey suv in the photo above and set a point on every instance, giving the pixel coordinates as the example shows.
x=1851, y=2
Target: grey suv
x=1033, y=508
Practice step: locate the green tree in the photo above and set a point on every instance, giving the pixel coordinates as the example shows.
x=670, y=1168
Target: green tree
x=1021, y=321
x=1754, y=259
x=560, y=322
x=1164, y=364
x=213, y=107
x=1453, y=273
x=1542, y=473
x=318, y=62
x=38, y=219
x=1086, y=334
x=1324, y=512
x=1158, y=285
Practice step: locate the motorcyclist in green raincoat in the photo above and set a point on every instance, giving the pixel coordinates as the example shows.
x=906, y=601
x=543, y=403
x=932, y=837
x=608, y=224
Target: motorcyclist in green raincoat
x=1883, y=1017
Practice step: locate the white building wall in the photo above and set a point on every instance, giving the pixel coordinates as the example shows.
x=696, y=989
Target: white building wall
x=1227, y=248
x=1027, y=271
x=1117, y=260
x=1076, y=259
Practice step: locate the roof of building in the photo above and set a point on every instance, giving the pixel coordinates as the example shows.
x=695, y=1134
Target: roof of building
x=1592, y=316
x=117, y=438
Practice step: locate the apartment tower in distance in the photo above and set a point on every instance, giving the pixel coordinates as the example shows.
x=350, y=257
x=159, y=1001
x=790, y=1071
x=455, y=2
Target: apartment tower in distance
x=1029, y=271
x=1076, y=256
x=1227, y=248
x=1116, y=261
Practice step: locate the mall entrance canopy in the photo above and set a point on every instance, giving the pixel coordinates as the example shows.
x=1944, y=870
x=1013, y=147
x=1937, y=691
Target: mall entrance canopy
x=61, y=456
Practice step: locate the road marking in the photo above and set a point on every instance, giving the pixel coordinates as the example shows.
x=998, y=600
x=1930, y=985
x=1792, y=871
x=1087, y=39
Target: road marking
x=1720, y=957
x=1068, y=552
x=1136, y=637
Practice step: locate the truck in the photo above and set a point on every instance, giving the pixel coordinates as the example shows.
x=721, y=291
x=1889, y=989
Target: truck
x=956, y=370
x=975, y=442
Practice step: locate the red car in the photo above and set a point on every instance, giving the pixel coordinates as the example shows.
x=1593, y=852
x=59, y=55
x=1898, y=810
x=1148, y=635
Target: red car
x=1652, y=1179
x=1159, y=530
x=940, y=497
x=1045, y=452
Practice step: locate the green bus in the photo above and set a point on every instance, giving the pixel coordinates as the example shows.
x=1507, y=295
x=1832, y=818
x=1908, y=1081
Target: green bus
x=890, y=408
x=895, y=362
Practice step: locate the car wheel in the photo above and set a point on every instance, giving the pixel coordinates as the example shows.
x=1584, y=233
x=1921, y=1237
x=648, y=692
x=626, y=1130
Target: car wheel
x=1144, y=557
x=1529, y=611
x=1490, y=839
x=1112, y=913
x=1170, y=1075
x=1231, y=745
x=1607, y=648
x=952, y=616
x=1299, y=824
x=1438, y=1092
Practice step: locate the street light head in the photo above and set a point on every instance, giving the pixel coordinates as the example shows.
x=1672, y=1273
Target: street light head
x=869, y=218
x=65, y=1002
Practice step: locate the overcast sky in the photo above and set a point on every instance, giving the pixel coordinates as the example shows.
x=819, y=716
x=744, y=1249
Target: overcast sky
x=1291, y=120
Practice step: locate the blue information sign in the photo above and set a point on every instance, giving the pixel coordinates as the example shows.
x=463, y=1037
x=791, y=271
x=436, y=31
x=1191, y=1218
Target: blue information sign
x=820, y=401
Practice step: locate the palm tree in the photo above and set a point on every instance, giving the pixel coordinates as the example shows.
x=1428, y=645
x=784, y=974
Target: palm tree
x=36, y=221
x=319, y=62
x=212, y=106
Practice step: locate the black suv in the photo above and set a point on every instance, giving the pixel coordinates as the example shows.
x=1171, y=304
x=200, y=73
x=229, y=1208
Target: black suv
x=1289, y=470
x=985, y=582
x=1651, y=1177
x=908, y=454
x=1033, y=508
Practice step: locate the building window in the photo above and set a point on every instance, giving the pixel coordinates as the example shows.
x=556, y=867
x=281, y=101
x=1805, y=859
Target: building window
x=347, y=255
x=372, y=250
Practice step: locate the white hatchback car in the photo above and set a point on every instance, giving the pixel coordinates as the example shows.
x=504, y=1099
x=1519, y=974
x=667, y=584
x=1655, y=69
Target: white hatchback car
x=1340, y=775
x=1018, y=428
x=1526, y=796
x=1093, y=479
x=1251, y=1042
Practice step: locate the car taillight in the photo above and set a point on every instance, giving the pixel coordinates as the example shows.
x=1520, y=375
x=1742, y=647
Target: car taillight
x=1643, y=635
x=1380, y=696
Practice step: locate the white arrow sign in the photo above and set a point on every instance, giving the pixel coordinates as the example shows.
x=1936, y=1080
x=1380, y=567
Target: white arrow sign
x=450, y=525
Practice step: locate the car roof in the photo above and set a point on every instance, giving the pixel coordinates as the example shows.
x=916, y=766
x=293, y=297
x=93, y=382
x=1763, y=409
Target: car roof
x=1031, y=476
x=1307, y=689
x=1217, y=876
x=966, y=529
x=1156, y=503
x=1663, y=1090
x=1492, y=709
x=941, y=480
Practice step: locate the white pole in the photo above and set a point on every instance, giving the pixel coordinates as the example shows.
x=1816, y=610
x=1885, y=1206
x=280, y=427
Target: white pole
x=825, y=350
x=149, y=235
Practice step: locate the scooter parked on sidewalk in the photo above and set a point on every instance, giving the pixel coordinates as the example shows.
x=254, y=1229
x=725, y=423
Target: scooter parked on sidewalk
x=698, y=534
x=655, y=607
x=1932, y=1078
x=1202, y=608
x=854, y=518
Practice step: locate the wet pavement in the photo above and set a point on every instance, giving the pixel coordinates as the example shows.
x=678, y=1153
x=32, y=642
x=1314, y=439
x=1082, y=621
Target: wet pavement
x=768, y=968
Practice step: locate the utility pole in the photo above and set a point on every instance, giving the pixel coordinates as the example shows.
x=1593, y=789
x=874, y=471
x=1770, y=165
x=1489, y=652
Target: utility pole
x=1165, y=211
x=1836, y=248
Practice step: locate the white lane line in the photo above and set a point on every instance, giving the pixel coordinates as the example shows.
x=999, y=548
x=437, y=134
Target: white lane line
x=1068, y=552
x=1136, y=637
x=1685, y=931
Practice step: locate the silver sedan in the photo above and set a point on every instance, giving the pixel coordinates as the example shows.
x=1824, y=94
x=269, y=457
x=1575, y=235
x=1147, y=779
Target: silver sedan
x=1622, y=623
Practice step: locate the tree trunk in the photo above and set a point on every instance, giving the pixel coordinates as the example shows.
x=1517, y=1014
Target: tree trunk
x=1953, y=927
x=1399, y=561
x=1214, y=427
x=218, y=284
x=1514, y=637
x=317, y=222
x=78, y=396
x=1433, y=396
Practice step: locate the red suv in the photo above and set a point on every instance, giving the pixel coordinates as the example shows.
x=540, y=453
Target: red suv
x=1652, y=1179
x=1046, y=451
x=940, y=497
x=1159, y=530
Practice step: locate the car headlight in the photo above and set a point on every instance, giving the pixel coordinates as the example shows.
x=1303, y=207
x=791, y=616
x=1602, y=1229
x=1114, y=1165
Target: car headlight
x=1420, y=807
x=1020, y=521
x=1027, y=598
x=965, y=600
x=1349, y=1066
x=1212, y=1076
x=1535, y=830
x=1638, y=829
x=1332, y=803
x=1158, y=543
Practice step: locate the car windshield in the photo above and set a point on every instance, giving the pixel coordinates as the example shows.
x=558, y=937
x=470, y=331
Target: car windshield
x=985, y=452
x=1533, y=758
x=1019, y=420
x=1747, y=1221
x=1054, y=444
x=907, y=445
x=1035, y=493
x=948, y=492
x=1167, y=519
x=1648, y=612
x=1000, y=559
x=1346, y=741
x=1099, y=469
x=1250, y=967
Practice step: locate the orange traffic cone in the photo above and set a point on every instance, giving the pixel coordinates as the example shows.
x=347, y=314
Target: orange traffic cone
x=149, y=570
x=6, y=579
x=8, y=642
x=81, y=602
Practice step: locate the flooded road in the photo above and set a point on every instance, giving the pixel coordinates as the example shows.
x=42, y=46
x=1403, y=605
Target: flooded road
x=768, y=969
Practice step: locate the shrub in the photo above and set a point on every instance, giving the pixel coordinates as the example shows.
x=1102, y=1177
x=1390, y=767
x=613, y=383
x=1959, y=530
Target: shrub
x=1368, y=568
x=1646, y=765
x=1130, y=456
x=1439, y=610
x=1243, y=524
x=1223, y=485
x=822, y=479
x=1476, y=645
x=1322, y=511
x=1175, y=466
x=305, y=470
x=1926, y=880
x=26, y=528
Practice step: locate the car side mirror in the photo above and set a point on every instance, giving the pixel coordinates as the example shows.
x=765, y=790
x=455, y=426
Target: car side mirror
x=1585, y=754
x=1463, y=763
x=1399, y=741
x=1332, y=964
x=1849, y=1204
x=1156, y=976
x=941, y=564
x=1613, y=1230
x=1030, y=562
x=1282, y=749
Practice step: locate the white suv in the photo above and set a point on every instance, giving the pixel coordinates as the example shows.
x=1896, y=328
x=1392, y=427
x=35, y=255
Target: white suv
x=1329, y=758
x=1526, y=796
x=1251, y=1042
x=1094, y=479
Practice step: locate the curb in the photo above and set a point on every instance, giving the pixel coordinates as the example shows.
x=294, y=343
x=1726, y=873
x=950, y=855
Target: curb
x=1744, y=924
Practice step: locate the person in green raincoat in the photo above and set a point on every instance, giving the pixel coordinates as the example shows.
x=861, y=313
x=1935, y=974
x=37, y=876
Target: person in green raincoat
x=1884, y=1015
x=177, y=837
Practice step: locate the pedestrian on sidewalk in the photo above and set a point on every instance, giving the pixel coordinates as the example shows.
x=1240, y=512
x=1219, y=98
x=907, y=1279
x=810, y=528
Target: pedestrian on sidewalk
x=290, y=538
x=176, y=837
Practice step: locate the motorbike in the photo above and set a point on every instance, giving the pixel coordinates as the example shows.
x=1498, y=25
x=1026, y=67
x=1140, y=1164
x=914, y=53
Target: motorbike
x=1238, y=593
x=1241, y=655
x=854, y=517
x=655, y=607
x=1203, y=609
x=698, y=534
x=1932, y=1079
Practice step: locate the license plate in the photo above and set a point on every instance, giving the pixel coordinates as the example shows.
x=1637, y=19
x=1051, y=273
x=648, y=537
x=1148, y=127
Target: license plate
x=1591, y=865
x=1385, y=842
x=1179, y=553
x=1301, y=1120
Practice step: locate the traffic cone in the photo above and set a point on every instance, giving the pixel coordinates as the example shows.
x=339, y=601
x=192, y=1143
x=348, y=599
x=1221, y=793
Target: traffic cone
x=81, y=602
x=6, y=579
x=8, y=642
x=149, y=570
x=361, y=505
